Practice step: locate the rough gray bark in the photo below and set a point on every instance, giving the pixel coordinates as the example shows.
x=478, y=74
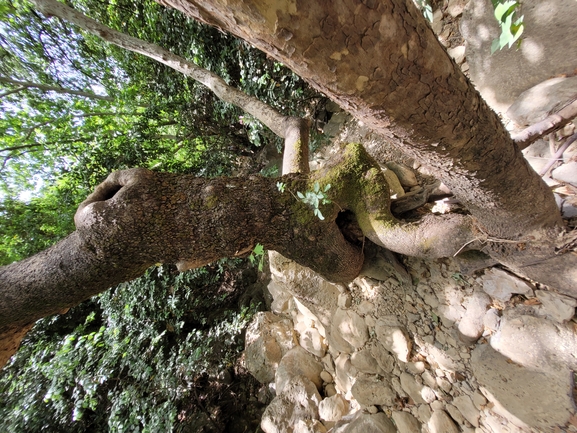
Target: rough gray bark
x=388, y=70
x=382, y=63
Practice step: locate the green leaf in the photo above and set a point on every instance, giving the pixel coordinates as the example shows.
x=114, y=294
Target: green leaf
x=502, y=10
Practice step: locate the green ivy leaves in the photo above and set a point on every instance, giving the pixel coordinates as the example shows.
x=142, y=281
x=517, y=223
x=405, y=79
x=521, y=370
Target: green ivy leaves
x=511, y=31
x=257, y=257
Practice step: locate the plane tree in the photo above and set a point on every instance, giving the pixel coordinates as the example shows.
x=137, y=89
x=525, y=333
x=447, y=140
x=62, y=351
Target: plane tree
x=381, y=62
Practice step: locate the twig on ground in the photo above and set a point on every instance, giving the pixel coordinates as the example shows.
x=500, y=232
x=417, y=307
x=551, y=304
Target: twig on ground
x=558, y=154
x=550, y=124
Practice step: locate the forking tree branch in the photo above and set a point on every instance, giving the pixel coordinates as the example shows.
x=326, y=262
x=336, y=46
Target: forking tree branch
x=294, y=130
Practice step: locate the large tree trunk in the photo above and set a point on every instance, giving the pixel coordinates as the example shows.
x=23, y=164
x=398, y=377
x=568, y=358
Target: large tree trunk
x=137, y=218
x=382, y=63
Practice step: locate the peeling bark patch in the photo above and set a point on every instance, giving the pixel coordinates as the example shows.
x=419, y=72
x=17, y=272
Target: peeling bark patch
x=338, y=55
x=371, y=4
x=361, y=83
x=285, y=34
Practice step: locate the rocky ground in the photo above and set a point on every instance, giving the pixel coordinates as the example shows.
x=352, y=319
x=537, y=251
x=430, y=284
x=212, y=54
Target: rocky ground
x=418, y=346
x=413, y=346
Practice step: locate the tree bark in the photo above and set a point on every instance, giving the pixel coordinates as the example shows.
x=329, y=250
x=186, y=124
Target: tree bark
x=382, y=63
x=137, y=218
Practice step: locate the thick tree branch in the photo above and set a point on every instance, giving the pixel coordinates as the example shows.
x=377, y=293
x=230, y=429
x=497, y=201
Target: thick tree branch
x=136, y=218
x=384, y=65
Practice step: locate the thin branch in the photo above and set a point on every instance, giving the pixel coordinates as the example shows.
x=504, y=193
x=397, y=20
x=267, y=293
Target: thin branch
x=550, y=124
x=47, y=88
x=558, y=155
x=19, y=89
x=23, y=146
x=277, y=122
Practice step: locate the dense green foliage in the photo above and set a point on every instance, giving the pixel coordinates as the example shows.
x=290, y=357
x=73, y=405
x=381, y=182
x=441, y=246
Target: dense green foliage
x=145, y=355
x=130, y=359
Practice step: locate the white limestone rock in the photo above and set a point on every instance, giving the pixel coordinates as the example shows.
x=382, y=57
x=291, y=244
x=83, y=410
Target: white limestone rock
x=405, y=422
x=333, y=408
x=384, y=359
x=312, y=341
x=538, y=102
x=440, y=422
x=309, y=426
x=467, y=409
x=351, y=327
x=337, y=343
x=501, y=77
x=415, y=389
x=501, y=285
x=424, y=413
x=558, y=307
x=318, y=295
x=298, y=362
x=471, y=325
x=566, y=173
x=364, y=362
x=453, y=412
x=366, y=423
x=457, y=53
x=268, y=338
x=536, y=342
x=370, y=392
x=394, y=338
x=491, y=320
x=343, y=380
x=299, y=400
x=456, y=7
x=281, y=298
x=538, y=399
